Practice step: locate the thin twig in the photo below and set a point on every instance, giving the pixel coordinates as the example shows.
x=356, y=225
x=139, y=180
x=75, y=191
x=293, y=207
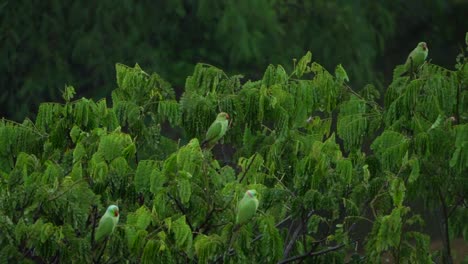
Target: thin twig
x=296, y=233
x=102, y=251
x=248, y=167
x=182, y=210
x=207, y=219
x=311, y=254
x=455, y=206
x=293, y=239
x=446, y=229
x=67, y=190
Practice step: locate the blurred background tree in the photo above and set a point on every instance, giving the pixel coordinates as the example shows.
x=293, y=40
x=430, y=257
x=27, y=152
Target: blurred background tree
x=47, y=44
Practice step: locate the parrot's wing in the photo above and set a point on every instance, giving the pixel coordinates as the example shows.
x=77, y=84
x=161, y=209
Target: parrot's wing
x=105, y=227
x=410, y=60
x=213, y=131
x=247, y=209
x=415, y=59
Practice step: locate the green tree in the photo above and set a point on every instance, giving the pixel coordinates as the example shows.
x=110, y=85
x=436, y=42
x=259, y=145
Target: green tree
x=300, y=139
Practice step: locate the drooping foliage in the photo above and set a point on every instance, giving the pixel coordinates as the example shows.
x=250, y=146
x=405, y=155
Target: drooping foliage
x=324, y=160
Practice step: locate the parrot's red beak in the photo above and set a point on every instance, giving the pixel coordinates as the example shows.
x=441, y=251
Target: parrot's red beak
x=116, y=213
x=425, y=46
x=227, y=116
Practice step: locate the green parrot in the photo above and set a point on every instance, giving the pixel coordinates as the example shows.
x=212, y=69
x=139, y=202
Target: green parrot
x=416, y=58
x=107, y=223
x=247, y=207
x=216, y=131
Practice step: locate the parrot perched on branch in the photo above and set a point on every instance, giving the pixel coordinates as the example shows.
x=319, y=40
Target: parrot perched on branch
x=107, y=223
x=216, y=131
x=416, y=58
x=247, y=207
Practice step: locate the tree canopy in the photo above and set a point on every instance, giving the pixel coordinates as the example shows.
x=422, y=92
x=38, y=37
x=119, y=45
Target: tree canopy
x=326, y=161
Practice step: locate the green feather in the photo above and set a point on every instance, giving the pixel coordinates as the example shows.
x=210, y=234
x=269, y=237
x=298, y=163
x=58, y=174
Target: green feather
x=416, y=58
x=216, y=131
x=107, y=223
x=247, y=207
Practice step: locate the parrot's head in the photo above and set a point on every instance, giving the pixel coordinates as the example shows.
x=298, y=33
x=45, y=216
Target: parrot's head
x=251, y=193
x=223, y=115
x=113, y=210
x=423, y=46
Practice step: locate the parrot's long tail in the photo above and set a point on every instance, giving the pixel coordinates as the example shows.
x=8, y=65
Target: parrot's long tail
x=99, y=249
x=234, y=235
x=206, y=145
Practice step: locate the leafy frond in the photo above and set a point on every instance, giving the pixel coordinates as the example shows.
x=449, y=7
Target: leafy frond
x=459, y=159
x=352, y=123
x=182, y=234
x=207, y=246
x=16, y=138
x=390, y=148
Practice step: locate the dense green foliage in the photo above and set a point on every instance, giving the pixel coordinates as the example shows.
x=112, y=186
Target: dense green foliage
x=46, y=44
x=299, y=138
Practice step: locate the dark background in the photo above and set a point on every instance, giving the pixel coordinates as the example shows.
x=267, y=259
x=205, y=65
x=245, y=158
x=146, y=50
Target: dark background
x=46, y=45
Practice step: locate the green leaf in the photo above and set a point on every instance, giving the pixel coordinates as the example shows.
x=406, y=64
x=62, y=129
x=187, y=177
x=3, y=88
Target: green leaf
x=366, y=173
x=390, y=148
x=389, y=230
x=143, y=218
x=414, y=163
x=206, y=247
x=420, y=252
x=189, y=157
x=438, y=121
x=272, y=238
x=150, y=252
x=69, y=93
x=352, y=123
x=77, y=171
x=341, y=75
x=397, y=191
x=302, y=65
x=459, y=158
x=182, y=233
x=114, y=145
x=344, y=168
x=143, y=175
x=184, y=187
x=158, y=179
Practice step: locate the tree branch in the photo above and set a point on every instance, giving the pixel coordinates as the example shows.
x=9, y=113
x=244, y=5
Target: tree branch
x=448, y=256
x=207, y=219
x=455, y=206
x=311, y=254
x=182, y=210
x=102, y=251
x=65, y=191
x=296, y=233
x=248, y=167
